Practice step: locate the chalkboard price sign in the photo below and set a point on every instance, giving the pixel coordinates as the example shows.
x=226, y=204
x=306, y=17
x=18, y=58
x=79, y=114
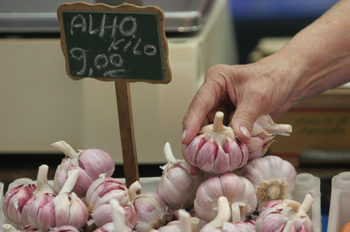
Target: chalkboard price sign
x=125, y=42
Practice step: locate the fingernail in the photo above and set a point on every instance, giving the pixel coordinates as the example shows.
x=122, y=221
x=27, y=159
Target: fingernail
x=184, y=133
x=245, y=131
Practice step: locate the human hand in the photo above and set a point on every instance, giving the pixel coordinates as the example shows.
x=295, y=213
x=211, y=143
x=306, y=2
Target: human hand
x=243, y=93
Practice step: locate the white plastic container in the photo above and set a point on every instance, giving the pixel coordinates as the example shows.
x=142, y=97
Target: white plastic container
x=307, y=183
x=339, y=210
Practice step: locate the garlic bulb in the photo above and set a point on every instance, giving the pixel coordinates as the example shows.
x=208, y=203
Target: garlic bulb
x=48, y=210
x=216, y=149
x=185, y=223
x=285, y=215
x=272, y=177
x=118, y=223
x=103, y=189
x=152, y=212
x=263, y=132
x=65, y=228
x=235, y=188
x=177, y=186
x=223, y=221
x=90, y=163
x=107, y=189
x=223, y=215
x=246, y=226
x=14, y=201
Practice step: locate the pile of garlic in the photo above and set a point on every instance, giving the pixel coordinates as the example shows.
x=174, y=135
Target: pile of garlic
x=86, y=198
x=223, y=201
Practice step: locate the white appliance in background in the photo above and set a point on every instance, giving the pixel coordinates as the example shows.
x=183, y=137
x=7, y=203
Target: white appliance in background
x=40, y=104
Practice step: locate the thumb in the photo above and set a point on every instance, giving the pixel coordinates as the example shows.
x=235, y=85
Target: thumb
x=243, y=120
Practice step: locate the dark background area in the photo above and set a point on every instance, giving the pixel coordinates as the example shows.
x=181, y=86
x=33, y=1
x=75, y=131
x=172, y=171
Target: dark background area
x=256, y=19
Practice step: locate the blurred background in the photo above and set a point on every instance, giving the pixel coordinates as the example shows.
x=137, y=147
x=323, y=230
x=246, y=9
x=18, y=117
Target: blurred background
x=40, y=104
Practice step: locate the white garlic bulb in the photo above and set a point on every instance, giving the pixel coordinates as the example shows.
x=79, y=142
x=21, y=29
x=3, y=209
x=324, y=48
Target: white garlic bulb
x=118, y=223
x=90, y=163
x=152, y=212
x=216, y=149
x=185, y=223
x=177, y=186
x=285, y=215
x=235, y=188
x=272, y=177
x=102, y=191
x=48, y=210
x=14, y=201
x=263, y=132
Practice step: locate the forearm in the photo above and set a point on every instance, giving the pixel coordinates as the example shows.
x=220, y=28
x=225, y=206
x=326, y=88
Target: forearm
x=320, y=54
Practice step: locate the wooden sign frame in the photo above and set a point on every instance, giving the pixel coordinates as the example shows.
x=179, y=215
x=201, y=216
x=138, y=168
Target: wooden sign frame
x=124, y=8
x=122, y=85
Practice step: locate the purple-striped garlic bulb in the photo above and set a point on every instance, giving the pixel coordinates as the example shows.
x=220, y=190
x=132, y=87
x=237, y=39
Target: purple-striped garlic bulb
x=235, y=188
x=185, y=223
x=177, y=186
x=90, y=163
x=118, y=221
x=263, y=133
x=272, y=177
x=47, y=210
x=14, y=201
x=152, y=212
x=285, y=215
x=65, y=228
x=216, y=149
x=102, y=191
x=228, y=219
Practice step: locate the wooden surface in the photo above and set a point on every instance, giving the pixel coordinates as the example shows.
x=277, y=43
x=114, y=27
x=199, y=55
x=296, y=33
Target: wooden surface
x=126, y=129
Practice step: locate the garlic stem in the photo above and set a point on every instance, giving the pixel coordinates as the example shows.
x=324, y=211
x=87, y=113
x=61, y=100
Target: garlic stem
x=9, y=228
x=236, y=212
x=68, y=151
x=288, y=226
x=133, y=189
x=185, y=221
x=290, y=203
x=218, y=122
x=169, y=156
x=224, y=214
x=70, y=182
x=42, y=184
x=195, y=224
x=281, y=129
x=307, y=203
x=118, y=215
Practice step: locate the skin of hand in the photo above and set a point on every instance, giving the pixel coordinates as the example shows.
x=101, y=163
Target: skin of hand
x=314, y=60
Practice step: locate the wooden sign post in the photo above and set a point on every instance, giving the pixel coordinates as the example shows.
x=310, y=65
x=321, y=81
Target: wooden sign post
x=123, y=44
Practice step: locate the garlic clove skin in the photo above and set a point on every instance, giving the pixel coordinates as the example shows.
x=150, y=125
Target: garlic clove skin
x=247, y=226
x=14, y=201
x=103, y=215
x=31, y=210
x=65, y=228
x=152, y=212
x=272, y=177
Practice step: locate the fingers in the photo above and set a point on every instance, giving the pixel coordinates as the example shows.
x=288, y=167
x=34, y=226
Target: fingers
x=243, y=120
x=203, y=102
